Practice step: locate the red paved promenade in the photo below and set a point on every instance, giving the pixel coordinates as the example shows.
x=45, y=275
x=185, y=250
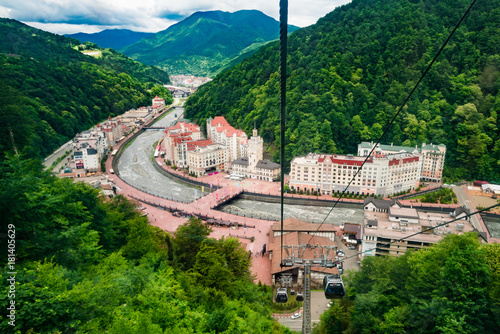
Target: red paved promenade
x=261, y=266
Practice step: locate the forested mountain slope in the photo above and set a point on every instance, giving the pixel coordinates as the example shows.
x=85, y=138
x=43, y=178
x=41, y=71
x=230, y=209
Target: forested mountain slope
x=85, y=263
x=348, y=74
x=206, y=42
x=50, y=91
x=111, y=38
x=451, y=287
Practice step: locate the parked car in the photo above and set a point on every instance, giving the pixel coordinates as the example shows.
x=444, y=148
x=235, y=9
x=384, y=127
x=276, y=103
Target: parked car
x=352, y=247
x=295, y=316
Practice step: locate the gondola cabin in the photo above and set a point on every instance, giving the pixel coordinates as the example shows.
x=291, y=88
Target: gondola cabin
x=334, y=287
x=300, y=297
x=281, y=295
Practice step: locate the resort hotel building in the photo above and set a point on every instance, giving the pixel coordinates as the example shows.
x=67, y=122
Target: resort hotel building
x=329, y=174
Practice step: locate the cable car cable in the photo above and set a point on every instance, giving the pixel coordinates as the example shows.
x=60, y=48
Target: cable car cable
x=388, y=126
x=283, y=56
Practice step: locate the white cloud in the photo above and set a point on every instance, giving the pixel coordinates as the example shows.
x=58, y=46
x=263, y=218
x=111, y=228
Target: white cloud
x=64, y=16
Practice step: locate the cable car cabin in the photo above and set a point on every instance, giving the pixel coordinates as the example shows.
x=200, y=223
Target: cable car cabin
x=299, y=297
x=334, y=287
x=281, y=295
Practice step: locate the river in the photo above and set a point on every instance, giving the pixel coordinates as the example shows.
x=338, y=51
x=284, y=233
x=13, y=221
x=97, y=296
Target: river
x=136, y=169
x=310, y=214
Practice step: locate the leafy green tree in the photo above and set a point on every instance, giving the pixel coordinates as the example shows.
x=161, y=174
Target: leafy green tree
x=188, y=241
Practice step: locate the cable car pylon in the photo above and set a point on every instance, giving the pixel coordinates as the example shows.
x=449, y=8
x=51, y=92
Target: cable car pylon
x=321, y=258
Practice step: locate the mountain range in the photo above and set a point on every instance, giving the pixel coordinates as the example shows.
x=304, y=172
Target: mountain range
x=49, y=90
x=111, y=38
x=350, y=72
x=205, y=43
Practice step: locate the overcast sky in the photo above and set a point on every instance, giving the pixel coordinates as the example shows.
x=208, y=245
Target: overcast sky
x=72, y=16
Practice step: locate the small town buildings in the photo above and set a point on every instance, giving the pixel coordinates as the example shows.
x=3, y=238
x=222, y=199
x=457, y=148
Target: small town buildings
x=113, y=130
x=181, y=138
x=381, y=175
x=138, y=117
x=254, y=166
x=205, y=159
x=186, y=148
x=158, y=103
x=431, y=157
x=385, y=222
x=88, y=149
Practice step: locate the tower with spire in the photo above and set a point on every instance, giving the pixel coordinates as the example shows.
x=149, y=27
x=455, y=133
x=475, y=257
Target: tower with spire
x=255, y=150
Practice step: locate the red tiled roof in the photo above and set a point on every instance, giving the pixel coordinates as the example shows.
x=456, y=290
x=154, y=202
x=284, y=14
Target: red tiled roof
x=408, y=160
x=198, y=143
x=348, y=162
x=219, y=120
x=188, y=126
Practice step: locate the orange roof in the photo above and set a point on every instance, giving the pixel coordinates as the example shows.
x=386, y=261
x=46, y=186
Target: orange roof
x=198, y=143
x=219, y=120
x=223, y=126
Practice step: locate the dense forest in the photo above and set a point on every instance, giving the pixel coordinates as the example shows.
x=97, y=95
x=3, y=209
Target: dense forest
x=452, y=287
x=351, y=71
x=88, y=264
x=49, y=91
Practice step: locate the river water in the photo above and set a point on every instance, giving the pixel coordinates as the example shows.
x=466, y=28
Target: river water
x=311, y=214
x=136, y=169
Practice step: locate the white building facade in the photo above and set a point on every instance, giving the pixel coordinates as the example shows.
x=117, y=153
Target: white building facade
x=220, y=132
x=254, y=165
x=431, y=156
x=329, y=174
x=202, y=160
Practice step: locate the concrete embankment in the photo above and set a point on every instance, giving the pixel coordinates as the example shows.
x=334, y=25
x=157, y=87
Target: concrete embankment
x=296, y=201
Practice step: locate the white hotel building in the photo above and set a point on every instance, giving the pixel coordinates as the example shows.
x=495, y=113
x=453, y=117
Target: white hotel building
x=431, y=157
x=381, y=175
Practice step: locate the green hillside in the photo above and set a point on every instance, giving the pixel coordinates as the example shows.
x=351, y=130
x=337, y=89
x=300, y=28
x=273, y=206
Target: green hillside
x=451, y=287
x=205, y=42
x=348, y=74
x=88, y=264
x=49, y=91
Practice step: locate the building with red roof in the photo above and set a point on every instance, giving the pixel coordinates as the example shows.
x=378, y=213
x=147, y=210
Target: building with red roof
x=431, y=156
x=181, y=138
x=158, y=103
x=219, y=130
x=380, y=175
